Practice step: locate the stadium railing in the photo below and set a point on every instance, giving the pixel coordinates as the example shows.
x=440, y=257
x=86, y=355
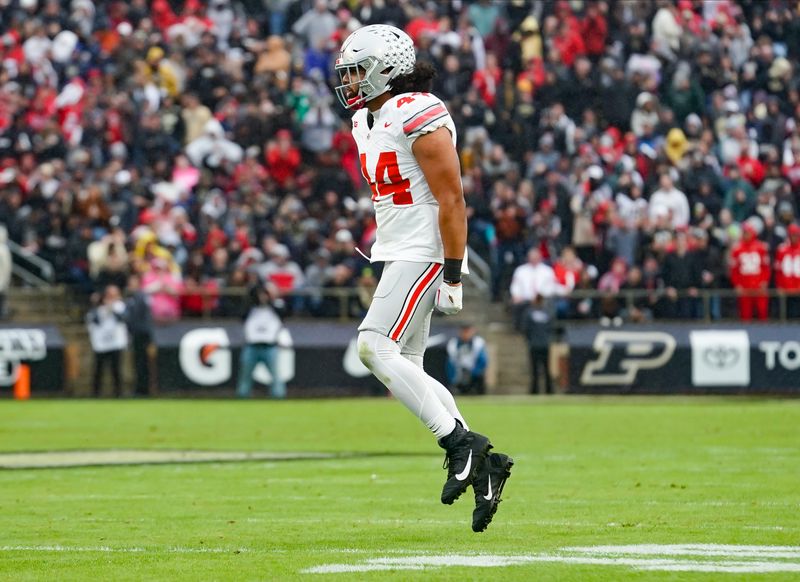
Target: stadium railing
x=710, y=305
x=714, y=304
x=30, y=268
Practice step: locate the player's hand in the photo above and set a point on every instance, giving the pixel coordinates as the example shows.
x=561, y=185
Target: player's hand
x=449, y=298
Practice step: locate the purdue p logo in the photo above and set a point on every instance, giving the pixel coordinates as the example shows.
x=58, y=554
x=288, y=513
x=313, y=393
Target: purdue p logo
x=621, y=354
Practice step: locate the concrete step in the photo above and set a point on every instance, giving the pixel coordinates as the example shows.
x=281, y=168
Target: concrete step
x=49, y=305
x=510, y=359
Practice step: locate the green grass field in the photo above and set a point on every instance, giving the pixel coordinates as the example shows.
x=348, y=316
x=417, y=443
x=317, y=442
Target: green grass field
x=650, y=473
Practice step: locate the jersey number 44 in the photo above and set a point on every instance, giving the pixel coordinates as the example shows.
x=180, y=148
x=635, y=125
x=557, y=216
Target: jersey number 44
x=388, y=181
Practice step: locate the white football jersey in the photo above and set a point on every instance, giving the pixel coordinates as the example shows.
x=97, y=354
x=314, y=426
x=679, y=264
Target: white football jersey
x=406, y=212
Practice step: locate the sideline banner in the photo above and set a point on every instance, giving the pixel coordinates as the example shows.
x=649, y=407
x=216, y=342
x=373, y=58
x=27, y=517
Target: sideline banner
x=685, y=359
x=193, y=355
x=39, y=346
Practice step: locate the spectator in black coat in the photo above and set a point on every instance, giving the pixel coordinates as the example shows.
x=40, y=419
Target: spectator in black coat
x=540, y=329
x=140, y=326
x=682, y=274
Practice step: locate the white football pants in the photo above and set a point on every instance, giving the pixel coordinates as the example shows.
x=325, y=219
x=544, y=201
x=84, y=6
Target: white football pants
x=393, y=338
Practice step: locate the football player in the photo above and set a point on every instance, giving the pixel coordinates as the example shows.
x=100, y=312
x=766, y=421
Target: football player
x=406, y=142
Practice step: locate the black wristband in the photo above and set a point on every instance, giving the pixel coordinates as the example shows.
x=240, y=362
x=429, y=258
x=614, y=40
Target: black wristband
x=452, y=271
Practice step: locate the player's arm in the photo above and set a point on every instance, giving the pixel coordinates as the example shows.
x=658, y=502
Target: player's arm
x=438, y=159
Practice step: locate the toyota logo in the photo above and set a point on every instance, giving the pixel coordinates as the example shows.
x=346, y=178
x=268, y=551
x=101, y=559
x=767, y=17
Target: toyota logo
x=721, y=356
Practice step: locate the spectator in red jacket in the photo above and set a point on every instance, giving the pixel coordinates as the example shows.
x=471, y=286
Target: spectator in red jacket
x=162, y=15
x=787, y=271
x=283, y=158
x=594, y=30
x=426, y=23
x=215, y=239
x=568, y=270
x=750, y=274
x=569, y=44
x=487, y=81
x=752, y=169
x=565, y=15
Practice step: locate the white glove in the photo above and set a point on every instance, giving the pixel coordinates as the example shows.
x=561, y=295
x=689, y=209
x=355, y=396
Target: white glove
x=449, y=298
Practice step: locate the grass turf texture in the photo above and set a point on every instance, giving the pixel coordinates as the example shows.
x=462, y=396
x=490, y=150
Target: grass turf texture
x=588, y=472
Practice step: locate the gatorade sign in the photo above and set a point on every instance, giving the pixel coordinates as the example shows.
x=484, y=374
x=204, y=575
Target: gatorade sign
x=315, y=354
x=205, y=357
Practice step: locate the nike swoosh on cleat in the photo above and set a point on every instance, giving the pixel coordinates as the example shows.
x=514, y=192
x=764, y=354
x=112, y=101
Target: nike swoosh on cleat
x=465, y=473
x=488, y=496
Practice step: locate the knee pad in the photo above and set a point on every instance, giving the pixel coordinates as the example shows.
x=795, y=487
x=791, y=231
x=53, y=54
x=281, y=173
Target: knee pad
x=373, y=346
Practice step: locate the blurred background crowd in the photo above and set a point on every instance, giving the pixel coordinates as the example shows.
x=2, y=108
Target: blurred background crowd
x=195, y=146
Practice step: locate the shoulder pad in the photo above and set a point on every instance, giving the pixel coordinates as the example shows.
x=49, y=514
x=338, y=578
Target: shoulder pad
x=418, y=110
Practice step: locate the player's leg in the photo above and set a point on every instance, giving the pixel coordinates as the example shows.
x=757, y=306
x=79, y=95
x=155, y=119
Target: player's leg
x=403, y=299
x=405, y=381
x=413, y=349
x=402, y=289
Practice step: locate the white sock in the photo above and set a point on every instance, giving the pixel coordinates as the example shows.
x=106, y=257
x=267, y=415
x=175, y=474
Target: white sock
x=443, y=394
x=409, y=384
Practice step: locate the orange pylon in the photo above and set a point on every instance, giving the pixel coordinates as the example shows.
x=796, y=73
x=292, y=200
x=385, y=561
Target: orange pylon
x=22, y=387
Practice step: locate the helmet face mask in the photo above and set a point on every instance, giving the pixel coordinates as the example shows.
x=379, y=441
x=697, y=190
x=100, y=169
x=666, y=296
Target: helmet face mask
x=370, y=58
x=365, y=79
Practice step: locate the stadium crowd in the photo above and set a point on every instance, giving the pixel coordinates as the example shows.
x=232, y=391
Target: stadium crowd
x=609, y=145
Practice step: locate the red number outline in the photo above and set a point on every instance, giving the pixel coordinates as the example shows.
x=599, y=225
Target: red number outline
x=409, y=99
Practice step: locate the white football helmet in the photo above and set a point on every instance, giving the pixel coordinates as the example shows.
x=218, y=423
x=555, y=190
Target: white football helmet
x=375, y=54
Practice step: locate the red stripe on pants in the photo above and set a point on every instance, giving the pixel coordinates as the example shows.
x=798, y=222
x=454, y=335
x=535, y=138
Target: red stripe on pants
x=415, y=296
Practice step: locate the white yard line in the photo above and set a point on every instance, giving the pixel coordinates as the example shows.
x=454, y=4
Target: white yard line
x=647, y=557
x=693, y=550
x=452, y=561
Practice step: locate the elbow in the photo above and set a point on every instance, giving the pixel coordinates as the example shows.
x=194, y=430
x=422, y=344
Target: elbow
x=453, y=205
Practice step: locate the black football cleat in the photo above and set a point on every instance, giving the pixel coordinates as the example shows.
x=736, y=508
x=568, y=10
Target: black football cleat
x=465, y=453
x=488, y=485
